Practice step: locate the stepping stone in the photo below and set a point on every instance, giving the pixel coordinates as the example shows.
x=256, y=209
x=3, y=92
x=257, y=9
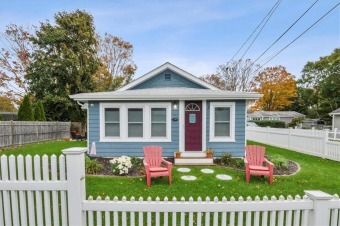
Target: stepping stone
x=223, y=177
x=188, y=177
x=207, y=171
x=183, y=170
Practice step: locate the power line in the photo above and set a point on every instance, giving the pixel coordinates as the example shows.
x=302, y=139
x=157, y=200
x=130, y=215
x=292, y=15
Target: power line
x=256, y=29
x=285, y=32
x=298, y=37
x=261, y=28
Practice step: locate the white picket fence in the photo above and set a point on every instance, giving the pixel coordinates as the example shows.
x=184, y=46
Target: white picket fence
x=321, y=143
x=51, y=191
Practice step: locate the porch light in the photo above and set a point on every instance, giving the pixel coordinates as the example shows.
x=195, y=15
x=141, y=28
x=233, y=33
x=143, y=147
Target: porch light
x=175, y=106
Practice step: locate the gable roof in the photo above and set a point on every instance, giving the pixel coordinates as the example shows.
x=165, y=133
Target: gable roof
x=282, y=114
x=335, y=112
x=167, y=93
x=164, y=67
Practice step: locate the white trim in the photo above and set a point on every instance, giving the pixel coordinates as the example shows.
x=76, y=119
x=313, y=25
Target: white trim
x=181, y=125
x=164, y=67
x=204, y=125
x=123, y=113
x=212, y=137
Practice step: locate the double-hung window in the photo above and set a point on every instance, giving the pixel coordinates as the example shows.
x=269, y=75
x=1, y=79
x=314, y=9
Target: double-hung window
x=112, y=122
x=135, y=122
x=158, y=122
x=222, y=121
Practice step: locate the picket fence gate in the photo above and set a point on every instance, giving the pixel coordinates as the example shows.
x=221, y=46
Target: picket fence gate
x=51, y=191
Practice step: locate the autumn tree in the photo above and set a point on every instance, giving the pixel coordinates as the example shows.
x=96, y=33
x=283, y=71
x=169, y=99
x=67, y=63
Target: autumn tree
x=117, y=67
x=6, y=104
x=64, y=64
x=14, y=60
x=238, y=74
x=25, y=112
x=277, y=86
x=214, y=80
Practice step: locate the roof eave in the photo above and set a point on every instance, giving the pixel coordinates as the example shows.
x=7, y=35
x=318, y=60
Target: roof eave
x=173, y=97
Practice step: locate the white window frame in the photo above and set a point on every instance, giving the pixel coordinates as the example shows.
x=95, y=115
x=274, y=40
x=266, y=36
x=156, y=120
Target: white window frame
x=212, y=137
x=123, y=115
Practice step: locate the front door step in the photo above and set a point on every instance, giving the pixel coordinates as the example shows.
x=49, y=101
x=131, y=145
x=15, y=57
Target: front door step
x=194, y=161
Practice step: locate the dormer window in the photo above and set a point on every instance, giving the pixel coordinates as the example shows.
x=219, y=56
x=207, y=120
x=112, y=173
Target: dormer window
x=167, y=77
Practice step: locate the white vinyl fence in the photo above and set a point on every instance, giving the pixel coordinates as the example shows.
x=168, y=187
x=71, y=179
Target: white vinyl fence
x=51, y=191
x=13, y=133
x=321, y=143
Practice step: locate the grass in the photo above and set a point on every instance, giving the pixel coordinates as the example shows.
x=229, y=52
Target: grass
x=45, y=148
x=316, y=174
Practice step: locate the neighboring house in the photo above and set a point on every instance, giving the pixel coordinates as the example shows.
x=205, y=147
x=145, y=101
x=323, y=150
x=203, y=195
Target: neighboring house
x=335, y=119
x=9, y=116
x=285, y=116
x=168, y=107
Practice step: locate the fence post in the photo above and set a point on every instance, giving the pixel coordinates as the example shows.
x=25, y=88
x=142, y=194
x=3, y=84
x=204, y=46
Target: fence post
x=324, y=143
x=75, y=166
x=11, y=134
x=320, y=215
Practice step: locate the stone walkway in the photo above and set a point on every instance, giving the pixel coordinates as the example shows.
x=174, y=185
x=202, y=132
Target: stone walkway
x=206, y=171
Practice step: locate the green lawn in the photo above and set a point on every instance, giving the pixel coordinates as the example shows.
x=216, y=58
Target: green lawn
x=315, y=174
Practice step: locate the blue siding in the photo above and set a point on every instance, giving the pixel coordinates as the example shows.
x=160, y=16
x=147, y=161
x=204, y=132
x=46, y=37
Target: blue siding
x=235, y=148
x=159, y=81
x=111, y=149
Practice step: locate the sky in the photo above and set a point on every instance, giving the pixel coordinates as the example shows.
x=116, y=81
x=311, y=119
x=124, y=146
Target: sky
x=198, y=35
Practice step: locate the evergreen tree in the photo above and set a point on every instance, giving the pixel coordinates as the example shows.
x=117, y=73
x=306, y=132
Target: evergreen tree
x=39, y=113
x=25, y=112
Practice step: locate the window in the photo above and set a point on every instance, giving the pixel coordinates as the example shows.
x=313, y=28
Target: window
x=222, y=121
x=112, y=128
x=135, y=122
x=167, y=77
x=158, y=122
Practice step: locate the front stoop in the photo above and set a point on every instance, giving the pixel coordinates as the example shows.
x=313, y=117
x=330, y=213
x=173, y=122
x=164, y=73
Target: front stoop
x=194, y=159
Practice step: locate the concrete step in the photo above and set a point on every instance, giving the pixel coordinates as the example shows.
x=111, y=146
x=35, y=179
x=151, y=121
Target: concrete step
x=194, y=161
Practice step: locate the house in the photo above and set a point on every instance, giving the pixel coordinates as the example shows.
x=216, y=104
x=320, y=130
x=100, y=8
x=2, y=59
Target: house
x=168, y=107
x=285, y=116
x=335, y=119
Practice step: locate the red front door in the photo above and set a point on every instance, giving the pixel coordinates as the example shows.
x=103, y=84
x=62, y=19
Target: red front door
x=193, y=125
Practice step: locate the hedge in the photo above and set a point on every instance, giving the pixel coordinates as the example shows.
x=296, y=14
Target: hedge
x=270, y=123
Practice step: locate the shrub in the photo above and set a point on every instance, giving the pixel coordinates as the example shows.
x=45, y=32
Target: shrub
x=136, y=161
x=295, y=122
x=239, y=162
x=279, y=161
x=1, y=118
x=25, y=112
x=227, y=159
x=92, y=166
x=270, y=123
x=39, y=113
x=121, y=165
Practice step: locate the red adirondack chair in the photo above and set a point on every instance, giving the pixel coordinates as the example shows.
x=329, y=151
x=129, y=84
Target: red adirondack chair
x=153, y=164
x=257, y=164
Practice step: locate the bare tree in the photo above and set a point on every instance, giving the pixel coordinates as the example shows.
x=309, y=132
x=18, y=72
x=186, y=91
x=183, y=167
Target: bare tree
x=14, y=60
x=115, y=56
x=238, y=75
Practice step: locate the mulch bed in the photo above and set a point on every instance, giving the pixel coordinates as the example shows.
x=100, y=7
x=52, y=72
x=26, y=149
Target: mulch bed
x=136, y=171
